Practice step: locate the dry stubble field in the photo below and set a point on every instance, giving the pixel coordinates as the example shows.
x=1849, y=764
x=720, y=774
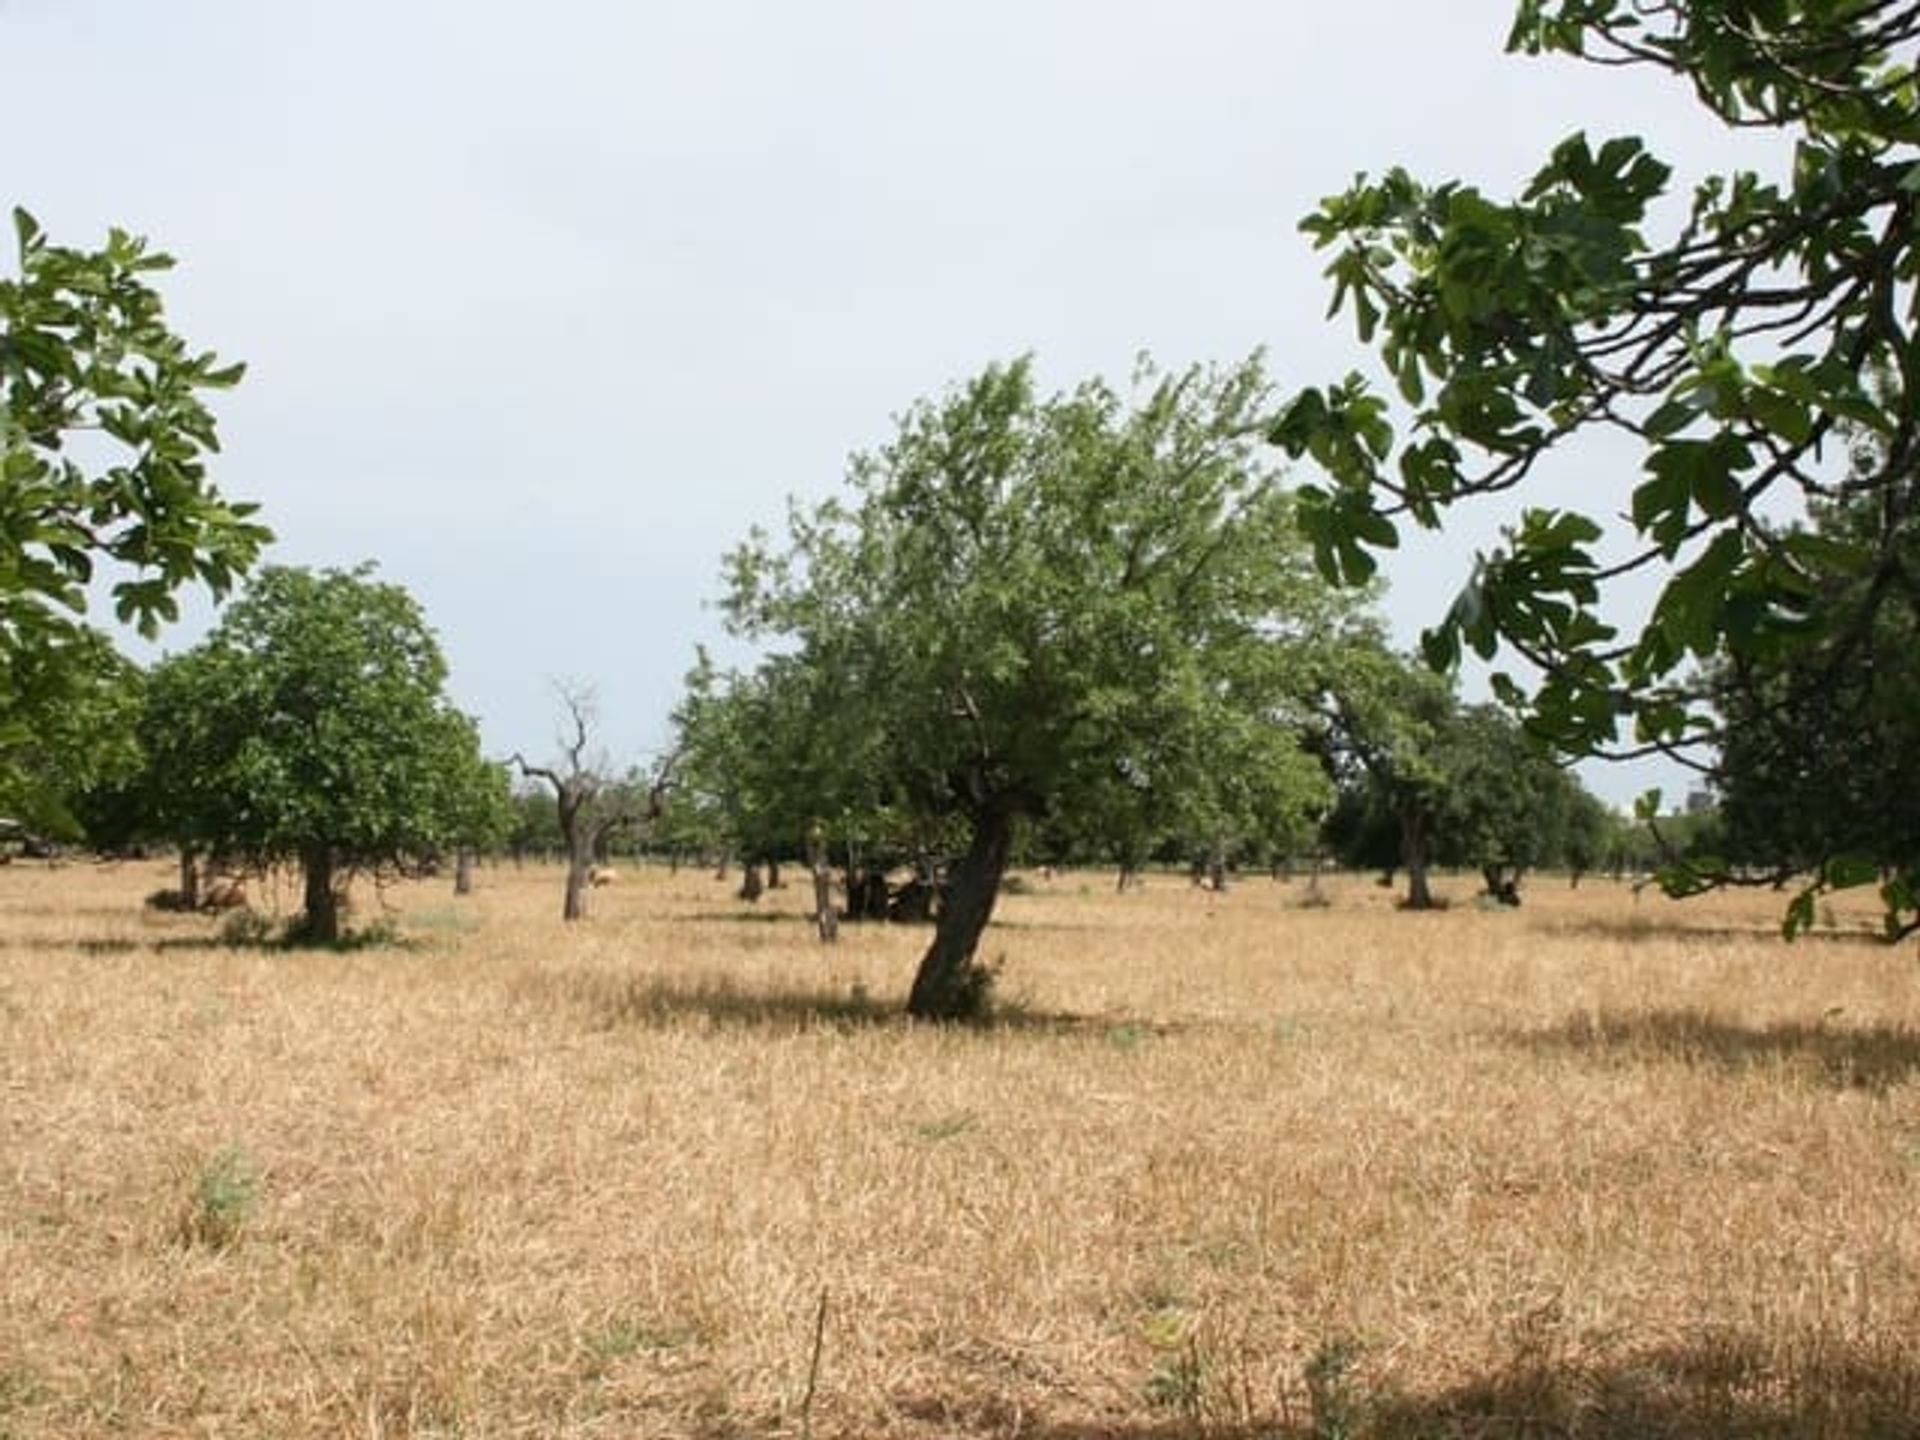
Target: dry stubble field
x=1602, y=1167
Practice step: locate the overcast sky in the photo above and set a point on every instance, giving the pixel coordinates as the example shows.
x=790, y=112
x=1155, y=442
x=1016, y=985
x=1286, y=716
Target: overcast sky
x=544, y=305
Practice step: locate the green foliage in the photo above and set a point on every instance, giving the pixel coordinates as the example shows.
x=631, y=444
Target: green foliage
x=225, y=1193
x=1425, y=779
x=312, y=727
x=75, y=703
x=1734, y=351
x=1820, y=741
x=104, y=434
x=1339, y=1405
x=1036, y=608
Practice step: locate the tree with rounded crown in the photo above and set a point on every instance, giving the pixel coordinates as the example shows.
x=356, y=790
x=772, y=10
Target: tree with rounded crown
x=1028, y=603
x=321, y=736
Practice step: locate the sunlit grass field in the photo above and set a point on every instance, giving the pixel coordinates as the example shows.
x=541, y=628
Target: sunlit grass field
x=1231, y=1165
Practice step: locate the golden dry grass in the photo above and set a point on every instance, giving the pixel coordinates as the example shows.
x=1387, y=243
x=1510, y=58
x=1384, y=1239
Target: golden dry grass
x=1601, y=1167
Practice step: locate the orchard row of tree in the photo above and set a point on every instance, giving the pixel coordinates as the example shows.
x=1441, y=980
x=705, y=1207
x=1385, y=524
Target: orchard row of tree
x=1097, y=623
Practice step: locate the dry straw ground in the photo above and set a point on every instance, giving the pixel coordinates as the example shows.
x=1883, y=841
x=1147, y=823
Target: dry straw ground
x=1602, y=1167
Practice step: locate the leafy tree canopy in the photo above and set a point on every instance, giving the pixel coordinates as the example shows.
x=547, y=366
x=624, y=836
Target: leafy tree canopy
x=1732, y=349
x=104, y=434
x=312, y=727
x=1028, y=605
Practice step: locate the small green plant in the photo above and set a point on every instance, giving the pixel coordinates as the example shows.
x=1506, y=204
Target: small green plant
x=223, y=1199
x=1126, y=1036
x=1179, y=1382
x=607, y=1345
x=947, y=1127
x=19, y=1388
x=1335, y=1399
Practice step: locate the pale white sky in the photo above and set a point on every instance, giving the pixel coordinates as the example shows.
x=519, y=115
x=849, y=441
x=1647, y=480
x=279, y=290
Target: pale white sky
x=544, y=305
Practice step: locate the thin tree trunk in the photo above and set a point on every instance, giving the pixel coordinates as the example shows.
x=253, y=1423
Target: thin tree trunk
x=463, y=870
x=774, y=882
x=950, y=984
x=322, y=901
x=825, y=918
x=750, y=886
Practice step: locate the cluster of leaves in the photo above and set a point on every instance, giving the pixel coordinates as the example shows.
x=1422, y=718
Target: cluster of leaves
x=1733, y=352
x=104, y=434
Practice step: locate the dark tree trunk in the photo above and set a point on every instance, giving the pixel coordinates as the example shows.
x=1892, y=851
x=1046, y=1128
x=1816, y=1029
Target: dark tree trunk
x=1413, y=854
x=774, y=882
x=1129, y=877
x=950, y=984
x=579, y=867
x=1217, y=871
x=322, y=923
x=750, y=886
x=189, y=878
x=463, y=870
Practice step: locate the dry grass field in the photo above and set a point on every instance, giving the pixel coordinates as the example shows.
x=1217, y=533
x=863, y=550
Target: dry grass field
x=1231, y=1166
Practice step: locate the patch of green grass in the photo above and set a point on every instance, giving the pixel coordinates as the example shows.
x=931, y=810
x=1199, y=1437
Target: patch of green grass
x=947, y=1127
x=224, y=1196
x=607, y=1345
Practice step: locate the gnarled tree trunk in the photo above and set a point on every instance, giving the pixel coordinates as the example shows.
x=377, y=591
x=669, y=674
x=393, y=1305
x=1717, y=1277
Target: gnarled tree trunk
x=950, y=984
x=579, y=869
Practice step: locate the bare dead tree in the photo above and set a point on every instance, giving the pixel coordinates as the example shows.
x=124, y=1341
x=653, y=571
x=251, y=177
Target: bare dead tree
x=592, y=805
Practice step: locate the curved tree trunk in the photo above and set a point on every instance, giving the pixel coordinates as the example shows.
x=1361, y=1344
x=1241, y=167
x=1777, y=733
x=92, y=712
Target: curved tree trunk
x=322, y=923
x=950, y=985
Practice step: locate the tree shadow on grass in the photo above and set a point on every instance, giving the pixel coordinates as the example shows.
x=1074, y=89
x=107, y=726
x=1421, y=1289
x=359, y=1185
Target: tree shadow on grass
x=1870, y=1057
x=747, y=917
x=725, y=1003
x=122, y=945
x=1718, y=1388
x=267, y=942
x=1710, y=1388
x=1639, y=927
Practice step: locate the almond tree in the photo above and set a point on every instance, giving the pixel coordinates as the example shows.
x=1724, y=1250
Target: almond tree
x=1028, y=605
